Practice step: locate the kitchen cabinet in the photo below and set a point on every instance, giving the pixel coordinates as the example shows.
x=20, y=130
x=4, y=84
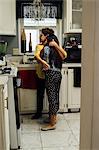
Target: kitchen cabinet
x=27, y=90
x=27, y=94
x=63, y=90
x=4, y=116
x=73, y=10
x=74, y=93
x=71, y=94
x=7, y=17
x=27, y=100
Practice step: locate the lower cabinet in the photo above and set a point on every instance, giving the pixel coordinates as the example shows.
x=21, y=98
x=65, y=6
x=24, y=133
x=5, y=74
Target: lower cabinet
x=74, y=93
x=27, y=100
x=69, y=95
x=4, y=119
x=63, y=91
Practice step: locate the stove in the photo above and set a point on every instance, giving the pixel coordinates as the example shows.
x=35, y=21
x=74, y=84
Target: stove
x=8, y=70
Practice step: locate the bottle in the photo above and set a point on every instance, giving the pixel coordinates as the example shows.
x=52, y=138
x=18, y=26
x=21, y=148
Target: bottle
x=23, y=41
x=30, y=44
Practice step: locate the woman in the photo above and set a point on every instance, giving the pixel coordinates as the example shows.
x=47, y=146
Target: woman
x=51, y=60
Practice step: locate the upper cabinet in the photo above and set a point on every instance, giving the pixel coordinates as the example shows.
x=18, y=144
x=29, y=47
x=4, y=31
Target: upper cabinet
x=73, y=16
x=7, y=17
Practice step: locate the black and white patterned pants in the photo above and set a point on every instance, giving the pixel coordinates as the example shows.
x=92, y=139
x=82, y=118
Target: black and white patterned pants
x=53, y=81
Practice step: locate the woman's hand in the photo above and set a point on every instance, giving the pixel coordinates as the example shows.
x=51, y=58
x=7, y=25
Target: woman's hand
x=53, y=43
x=45, y=65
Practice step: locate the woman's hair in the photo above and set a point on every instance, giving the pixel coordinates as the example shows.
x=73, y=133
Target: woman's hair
x=50, y=35
x=47, y=31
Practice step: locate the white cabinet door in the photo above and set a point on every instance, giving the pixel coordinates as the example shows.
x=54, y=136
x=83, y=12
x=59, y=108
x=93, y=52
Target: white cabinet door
x=7, y=17
x=7, y=136
x=45, y=103
x=27, y=100
x=63, y=91
x=74, y=93
x=6, y=117
x=74, y=15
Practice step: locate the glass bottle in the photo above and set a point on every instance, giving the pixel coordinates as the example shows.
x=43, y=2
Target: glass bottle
x=30, y=44
x=23, y=41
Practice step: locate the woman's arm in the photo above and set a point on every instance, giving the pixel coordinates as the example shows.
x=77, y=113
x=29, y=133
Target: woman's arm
x=60, y=50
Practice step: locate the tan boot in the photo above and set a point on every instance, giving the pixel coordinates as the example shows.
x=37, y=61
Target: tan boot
x=51, y=125
x=47, y=120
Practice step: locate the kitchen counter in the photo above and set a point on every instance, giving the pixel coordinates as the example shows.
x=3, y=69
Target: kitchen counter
x=3, y=79
x=71, y=65
x=63, y=65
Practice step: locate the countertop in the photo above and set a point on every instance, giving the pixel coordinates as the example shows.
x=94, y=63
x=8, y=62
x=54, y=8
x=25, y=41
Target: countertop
x=63, y=65
x=3, y=79
x=71, y=65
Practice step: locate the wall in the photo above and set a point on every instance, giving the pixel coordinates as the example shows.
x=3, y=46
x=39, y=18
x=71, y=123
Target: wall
x=90, y=77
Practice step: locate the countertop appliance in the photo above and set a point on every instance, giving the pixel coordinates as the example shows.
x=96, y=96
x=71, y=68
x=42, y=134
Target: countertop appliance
x=72, y=45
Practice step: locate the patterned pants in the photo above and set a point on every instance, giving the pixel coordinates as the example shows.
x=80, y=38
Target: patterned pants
x=53, y=81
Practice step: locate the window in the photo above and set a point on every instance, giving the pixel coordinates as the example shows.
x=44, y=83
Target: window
x=34, y=38
x=34, y=28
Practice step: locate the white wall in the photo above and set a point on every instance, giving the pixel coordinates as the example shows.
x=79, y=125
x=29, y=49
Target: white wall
x=89, y=137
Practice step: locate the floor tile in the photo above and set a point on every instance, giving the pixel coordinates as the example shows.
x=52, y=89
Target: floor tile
x=31, y=140
x=32, y=126
x=60, y=117
x=77, y=135
x=65, y=137
x=62, y=125
x=63, y=148
x=72, y=115
x=74, y=124
x=32, y=149
x=55, y=139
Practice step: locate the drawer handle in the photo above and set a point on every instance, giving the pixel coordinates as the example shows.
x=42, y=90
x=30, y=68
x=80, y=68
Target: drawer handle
x=6, y=102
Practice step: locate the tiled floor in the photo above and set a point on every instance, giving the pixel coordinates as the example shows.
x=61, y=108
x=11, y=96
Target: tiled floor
x=65, y=137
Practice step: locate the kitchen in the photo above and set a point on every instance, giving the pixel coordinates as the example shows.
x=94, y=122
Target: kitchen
x=12, y=40
x=26, y=107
